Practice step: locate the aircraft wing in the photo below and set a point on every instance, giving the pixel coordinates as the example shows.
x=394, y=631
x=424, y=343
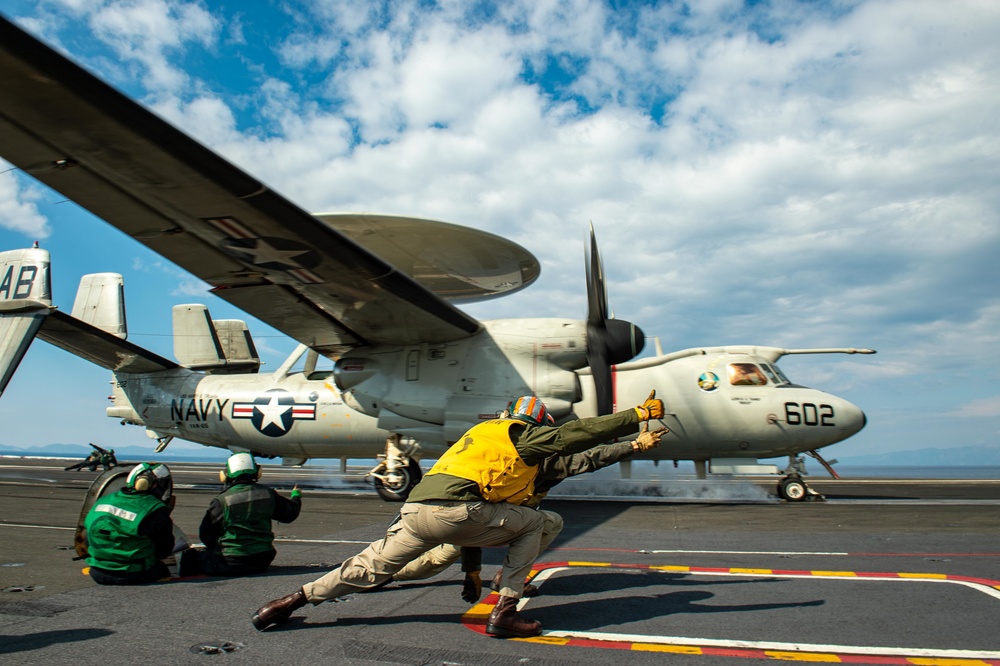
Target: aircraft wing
x=259, y=251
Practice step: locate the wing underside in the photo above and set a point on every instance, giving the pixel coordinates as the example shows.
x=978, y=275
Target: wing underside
x=258, y=250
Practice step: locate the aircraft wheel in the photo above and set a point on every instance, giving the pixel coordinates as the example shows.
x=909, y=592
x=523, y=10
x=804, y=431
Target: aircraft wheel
x=792, y=489
x=400, y=483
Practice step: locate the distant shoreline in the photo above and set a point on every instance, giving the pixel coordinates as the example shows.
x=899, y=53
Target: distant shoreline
x=686, y=469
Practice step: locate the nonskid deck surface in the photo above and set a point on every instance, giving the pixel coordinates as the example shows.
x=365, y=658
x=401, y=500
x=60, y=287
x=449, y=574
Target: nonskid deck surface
x=883, y=572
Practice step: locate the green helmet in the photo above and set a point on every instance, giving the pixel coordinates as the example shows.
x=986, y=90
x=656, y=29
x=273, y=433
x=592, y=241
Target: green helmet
x=240, y=464
x=150, y=477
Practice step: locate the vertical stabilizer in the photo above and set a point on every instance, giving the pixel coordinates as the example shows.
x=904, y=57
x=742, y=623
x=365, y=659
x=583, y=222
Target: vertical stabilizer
x=100, y=301
x=25, y=301
x=196, y=342
x=234, y=335
x=223, y=346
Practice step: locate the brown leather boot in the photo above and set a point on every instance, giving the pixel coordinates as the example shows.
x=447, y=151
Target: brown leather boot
x=529, y=589
x=278, y=611
x=506, y=622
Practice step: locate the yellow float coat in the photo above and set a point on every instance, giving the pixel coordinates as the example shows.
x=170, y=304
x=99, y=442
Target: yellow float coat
x=486, y=456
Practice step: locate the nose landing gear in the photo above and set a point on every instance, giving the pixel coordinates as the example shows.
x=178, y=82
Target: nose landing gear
x=793, y=488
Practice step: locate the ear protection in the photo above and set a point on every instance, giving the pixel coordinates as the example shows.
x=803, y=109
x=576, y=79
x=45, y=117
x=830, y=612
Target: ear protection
x=142, y=484
x=144, y=477
x=140, y=479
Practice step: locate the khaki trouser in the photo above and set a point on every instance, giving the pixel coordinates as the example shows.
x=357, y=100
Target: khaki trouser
x=436, y=560
x=424, y=525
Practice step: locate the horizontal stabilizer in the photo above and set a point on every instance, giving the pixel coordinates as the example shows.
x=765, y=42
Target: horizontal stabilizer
x=98, y=346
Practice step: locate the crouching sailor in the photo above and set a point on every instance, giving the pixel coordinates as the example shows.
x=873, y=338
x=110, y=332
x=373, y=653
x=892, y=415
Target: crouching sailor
x=130, y=532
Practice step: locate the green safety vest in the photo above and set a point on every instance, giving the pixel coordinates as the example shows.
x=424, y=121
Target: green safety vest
x=247, y=509
x=113, y=539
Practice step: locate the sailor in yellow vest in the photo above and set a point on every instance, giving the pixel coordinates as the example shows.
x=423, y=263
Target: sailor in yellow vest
x=551, y=472
x=473, y=496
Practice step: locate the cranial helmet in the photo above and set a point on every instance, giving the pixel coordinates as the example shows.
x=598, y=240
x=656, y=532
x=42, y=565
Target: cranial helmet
x=531, y=410
x=151, y=478
x=238, y=465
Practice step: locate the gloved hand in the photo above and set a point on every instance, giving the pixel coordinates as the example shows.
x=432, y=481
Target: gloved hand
x=296, y=492
x=649, y=439
x=472, y=587
x=651, y=409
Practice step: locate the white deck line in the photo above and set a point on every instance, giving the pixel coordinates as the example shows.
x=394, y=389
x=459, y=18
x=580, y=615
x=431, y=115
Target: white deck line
x=768, y=645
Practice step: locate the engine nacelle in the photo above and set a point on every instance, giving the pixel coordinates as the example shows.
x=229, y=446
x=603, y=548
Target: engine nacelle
x=461, y=383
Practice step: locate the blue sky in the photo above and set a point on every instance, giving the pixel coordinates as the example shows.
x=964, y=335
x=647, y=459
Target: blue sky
x=815, y=174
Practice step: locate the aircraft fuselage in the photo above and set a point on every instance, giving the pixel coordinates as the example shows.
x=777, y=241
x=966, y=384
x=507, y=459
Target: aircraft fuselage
x=295, y=417
x=721, y=402
x=713, y=411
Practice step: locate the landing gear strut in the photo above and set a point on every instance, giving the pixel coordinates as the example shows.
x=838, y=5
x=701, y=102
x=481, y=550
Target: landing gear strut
x=397, y=471
x=792, y=488
x=161, y=443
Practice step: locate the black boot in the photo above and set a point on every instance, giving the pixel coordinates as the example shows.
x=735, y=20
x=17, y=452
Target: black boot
x=529, y=589
x=506, y=622
x=278, y=611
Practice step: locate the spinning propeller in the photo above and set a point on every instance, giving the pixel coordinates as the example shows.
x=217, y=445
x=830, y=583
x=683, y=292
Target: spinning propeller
x=609, y=341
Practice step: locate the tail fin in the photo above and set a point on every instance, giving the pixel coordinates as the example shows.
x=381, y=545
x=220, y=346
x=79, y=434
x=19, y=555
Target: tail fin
x=25, y=302
x=100, y=301
x=217, y=347
x=238, y=343
x=96, y=334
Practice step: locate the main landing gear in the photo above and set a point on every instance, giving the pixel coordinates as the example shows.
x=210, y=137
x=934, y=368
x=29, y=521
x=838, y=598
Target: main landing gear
x=397, y=471
x=793, y=488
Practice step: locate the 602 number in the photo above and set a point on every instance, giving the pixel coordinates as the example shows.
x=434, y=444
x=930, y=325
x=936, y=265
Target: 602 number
x=808, y=414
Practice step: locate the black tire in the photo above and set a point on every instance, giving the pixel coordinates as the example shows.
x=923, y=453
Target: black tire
x=792, y=489
x=409, y=476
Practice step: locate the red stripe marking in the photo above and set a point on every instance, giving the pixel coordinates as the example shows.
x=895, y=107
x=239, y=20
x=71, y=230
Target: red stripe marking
x=477, y=623
x=231, y=227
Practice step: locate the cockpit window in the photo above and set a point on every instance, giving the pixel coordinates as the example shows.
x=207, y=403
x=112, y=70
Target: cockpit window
x=746, y=374
x=781, y=375
x=770, y=373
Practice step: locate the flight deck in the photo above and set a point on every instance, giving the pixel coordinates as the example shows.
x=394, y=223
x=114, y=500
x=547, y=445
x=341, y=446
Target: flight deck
x=883, y=572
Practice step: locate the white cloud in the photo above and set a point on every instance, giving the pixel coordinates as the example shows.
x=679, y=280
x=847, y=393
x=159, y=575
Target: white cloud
x=988, y=407
x=789, y=174
x=19, y=199
x=192, y=288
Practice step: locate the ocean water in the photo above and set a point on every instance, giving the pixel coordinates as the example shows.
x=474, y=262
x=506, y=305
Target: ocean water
x=640, y=469
x=913, y=472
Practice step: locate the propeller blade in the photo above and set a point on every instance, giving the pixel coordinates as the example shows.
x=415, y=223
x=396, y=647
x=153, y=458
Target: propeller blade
x=601, y=371
x=597, y=290
x=609, y=341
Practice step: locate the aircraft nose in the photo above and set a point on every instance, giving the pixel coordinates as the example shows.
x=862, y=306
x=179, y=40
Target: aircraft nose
x=853, y=418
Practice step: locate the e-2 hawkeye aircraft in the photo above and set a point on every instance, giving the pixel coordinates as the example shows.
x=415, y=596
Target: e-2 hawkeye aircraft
x=374, y=294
